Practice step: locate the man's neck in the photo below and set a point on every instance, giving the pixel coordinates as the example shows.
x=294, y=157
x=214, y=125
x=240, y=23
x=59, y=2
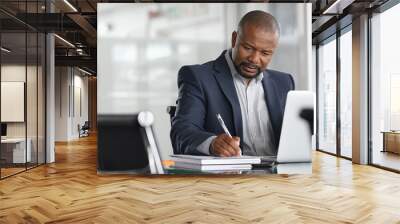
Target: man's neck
x=248, y=81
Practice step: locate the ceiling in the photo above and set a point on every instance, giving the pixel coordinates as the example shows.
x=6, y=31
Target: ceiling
x=76, y=21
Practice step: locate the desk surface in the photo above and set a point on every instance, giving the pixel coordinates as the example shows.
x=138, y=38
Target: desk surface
x=285, y=168
x=390, y=132
x=13, y=140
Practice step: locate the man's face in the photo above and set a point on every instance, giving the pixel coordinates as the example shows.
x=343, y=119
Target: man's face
x=252, y=50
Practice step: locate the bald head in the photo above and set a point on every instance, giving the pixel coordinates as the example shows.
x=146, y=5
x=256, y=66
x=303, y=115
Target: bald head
x=254, y=43
x=261, y=20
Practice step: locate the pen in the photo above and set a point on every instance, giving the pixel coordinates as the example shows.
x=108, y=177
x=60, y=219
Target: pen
x=222, y=123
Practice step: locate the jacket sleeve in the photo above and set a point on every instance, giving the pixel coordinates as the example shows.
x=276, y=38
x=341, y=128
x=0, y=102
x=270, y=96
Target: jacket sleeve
x=187, y=131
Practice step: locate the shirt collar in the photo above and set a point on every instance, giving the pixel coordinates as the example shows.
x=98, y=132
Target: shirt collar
x=234, y=72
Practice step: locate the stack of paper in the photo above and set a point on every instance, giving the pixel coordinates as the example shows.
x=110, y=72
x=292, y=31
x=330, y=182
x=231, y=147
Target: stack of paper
x=214, y=163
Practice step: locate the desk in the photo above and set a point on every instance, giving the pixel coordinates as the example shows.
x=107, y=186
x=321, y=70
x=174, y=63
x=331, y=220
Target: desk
x=391, y=141
x=285, y=168
x=13, y=150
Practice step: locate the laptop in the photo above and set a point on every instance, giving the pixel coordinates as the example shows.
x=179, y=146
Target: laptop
x=297, y=129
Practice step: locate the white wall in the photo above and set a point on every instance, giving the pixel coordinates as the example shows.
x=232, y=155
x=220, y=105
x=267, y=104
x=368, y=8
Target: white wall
x=61, y=103
x=12, y=73
x=33, y=126
x=69, y=82
x=79, y=117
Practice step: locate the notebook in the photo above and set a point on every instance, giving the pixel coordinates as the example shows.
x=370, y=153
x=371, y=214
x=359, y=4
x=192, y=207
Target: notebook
x=212, y=160
x=180, y=165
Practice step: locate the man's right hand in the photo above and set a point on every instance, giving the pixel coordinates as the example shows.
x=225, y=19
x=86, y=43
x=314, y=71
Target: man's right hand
x=225, y=146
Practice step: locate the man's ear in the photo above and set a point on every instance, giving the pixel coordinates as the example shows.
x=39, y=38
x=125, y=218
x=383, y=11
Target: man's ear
x=234, y=36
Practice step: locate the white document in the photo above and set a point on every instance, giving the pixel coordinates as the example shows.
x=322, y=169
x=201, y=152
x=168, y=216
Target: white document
x=180, y=165
x=212, y=160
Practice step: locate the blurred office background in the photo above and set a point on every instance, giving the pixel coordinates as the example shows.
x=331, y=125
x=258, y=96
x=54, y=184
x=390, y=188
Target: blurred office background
x=138, y=62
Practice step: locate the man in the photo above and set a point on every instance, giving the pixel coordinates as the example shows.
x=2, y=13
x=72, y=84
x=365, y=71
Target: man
x=238, y=86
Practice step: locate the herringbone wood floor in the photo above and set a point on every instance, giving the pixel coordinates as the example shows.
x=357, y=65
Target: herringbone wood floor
x=70, y=191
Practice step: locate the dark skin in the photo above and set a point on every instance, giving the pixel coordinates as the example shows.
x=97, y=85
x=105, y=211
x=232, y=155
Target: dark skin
x=252, y=50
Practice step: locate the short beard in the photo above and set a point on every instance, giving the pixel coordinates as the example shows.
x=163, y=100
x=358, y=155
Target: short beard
x=247, y=76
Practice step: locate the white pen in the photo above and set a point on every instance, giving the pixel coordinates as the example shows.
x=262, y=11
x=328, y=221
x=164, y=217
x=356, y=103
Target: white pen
x=222, y=123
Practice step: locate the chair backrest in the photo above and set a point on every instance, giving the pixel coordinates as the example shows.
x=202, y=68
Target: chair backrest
x=86, y=125
x=171, y=111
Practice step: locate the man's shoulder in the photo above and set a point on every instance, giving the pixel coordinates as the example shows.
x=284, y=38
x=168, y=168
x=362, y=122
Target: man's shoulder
x=207, y=69
x=199, y=70
x=281, y=78
x=204, y=66
x=278, y=74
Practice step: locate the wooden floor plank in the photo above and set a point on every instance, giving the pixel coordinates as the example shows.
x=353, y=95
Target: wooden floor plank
x=70, y=191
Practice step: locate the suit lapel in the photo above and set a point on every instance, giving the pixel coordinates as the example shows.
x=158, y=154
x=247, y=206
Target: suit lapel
x=274, y=107
x=225, y=81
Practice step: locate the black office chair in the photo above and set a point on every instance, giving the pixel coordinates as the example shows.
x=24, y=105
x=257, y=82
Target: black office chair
x=171, y=111
x=84, y=130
